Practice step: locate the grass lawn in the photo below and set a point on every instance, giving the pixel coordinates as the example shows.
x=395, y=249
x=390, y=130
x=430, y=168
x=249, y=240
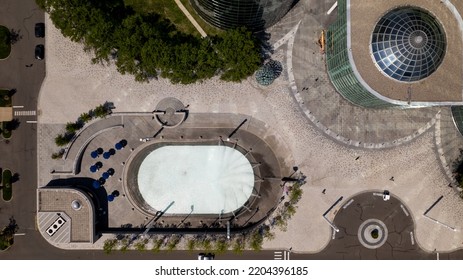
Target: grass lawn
x=209, y=29
x=5, y=46
x=5, y=99
x=7, y=189
x=166, y=8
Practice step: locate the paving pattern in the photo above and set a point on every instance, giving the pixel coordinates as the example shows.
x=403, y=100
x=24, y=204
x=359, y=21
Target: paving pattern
x=326, y=137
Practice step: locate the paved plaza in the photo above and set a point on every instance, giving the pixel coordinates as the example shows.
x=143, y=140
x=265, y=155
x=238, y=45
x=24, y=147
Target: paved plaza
x=343, y=150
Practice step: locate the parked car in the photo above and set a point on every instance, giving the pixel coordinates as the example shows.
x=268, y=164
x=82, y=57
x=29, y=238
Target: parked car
x=39, y=52
x=40, y=30
x=208, y=256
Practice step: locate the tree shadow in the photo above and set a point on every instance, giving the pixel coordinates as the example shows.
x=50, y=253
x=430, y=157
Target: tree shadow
x=15, y=178
x=266, y=49
x=11, y=228
x=15, y=36
x=12, y=125
x=11, y=92
x=98, y=196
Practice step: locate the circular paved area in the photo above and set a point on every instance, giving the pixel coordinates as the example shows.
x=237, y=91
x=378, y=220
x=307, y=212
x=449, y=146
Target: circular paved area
x=366, y=212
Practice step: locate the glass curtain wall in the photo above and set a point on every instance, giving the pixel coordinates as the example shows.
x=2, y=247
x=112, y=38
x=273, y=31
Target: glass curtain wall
x=254, y=14
x=339, y=68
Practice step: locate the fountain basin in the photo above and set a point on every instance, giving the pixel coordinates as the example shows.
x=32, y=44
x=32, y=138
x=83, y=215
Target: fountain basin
x=192, y=179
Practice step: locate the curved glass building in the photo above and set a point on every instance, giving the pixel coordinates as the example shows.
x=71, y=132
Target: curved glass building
x=254, y=14
x=379, y=54
x=408, y=44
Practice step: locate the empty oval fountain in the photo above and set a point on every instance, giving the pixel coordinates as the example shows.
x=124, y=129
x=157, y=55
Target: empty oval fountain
x=191, y=179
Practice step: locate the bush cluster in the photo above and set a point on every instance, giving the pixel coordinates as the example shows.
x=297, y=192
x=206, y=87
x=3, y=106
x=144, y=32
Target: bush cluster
x=71, y=128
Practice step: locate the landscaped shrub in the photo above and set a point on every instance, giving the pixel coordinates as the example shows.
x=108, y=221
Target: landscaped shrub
x=7, y=187
x=109, y=245
x=72, y=127
x=61, y=140
x=58, y=155
x=85, y=117
x=5, y=42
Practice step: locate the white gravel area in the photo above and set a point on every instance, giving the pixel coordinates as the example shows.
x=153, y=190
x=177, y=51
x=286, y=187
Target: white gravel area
x=74, y=85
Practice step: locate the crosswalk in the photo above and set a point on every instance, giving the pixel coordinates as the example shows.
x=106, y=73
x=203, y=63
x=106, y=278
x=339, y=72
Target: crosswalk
x=24, y=113
x=281, y=255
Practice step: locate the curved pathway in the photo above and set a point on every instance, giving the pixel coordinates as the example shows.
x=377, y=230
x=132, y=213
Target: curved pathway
x=328, y=111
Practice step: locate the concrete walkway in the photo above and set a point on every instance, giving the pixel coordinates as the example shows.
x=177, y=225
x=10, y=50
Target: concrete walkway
x=191, y=18
x=340, y=168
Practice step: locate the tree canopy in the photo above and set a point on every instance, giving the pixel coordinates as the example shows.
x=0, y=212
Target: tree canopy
x=148, y=45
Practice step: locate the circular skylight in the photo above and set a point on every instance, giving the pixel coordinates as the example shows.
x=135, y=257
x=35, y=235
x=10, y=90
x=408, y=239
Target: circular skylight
x=408, y=44
x=76, y=205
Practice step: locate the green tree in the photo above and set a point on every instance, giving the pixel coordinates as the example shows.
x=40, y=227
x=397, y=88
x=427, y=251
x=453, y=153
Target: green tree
x=295, y=194
x=58, y=154
x=141, y=245
x=191, y=244
x=145, y=45
x=100, y=111
x=124, y=245
x=72, y=127
x=61, y=140
x=85, y=117
x=157, y=244
x=239, y=53
x=238, y=245
x=7, y=234
x=256, y=241
x=109, y=245
x=281, y=223
x=206, y=244
x=221, y=246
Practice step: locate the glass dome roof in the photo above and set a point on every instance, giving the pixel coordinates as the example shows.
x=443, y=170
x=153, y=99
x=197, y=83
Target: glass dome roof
x=408, y=44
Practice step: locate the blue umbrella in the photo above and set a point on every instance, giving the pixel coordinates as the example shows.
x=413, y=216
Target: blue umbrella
x=93, y=168
x=123, y=142
x=96, y=184
x=102, y=180
x=105, y=175
x=118, y=146
x=106, y=155
x=94, y=154
x=110, y=197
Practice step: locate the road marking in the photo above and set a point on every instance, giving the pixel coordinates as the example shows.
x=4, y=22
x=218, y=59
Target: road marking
x=332, y=8
x=31, y=121
x=18, y=107
x=24, y=113
x=278, y=255
x=348, y=203
x=405, y=210
x=377, y=194
x=333, y=236
x=281, y=255
x=437, y=256
x=19, y=234
x=412, y=238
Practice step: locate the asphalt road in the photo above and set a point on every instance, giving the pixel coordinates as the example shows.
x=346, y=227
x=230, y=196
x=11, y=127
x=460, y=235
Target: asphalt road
x=19, y=154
